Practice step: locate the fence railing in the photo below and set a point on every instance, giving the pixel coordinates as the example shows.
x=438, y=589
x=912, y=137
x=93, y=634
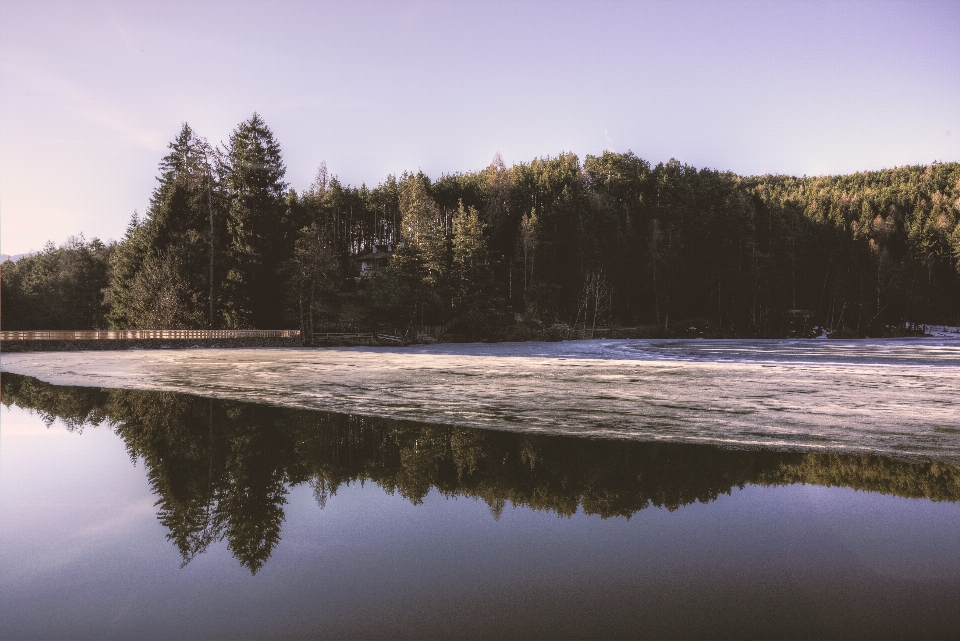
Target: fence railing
x=142, y=334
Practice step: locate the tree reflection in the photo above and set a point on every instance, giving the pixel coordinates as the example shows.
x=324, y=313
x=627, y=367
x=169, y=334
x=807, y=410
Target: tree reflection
x=221, y=469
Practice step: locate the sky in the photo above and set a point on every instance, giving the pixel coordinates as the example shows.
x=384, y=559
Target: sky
x=92, y=93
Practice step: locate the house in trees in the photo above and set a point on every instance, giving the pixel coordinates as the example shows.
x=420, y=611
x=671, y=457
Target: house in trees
x=368, y=264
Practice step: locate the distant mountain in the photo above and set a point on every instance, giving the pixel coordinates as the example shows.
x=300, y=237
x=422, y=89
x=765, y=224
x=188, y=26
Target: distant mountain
x=5, y=257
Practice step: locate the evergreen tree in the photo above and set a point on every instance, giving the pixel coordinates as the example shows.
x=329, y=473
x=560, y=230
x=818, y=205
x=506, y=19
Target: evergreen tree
x=425, y=253
x=477, y=305
x=399, y=293
x=314, y=278
x=259, y=238
x=163, y=271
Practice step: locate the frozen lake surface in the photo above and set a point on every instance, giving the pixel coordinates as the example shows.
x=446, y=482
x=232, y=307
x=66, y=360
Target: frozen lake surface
x=890, y=397
x=742, y=489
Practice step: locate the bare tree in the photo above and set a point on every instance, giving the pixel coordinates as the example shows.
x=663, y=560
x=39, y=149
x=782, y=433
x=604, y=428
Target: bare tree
x=593, y=305
x=319, y=186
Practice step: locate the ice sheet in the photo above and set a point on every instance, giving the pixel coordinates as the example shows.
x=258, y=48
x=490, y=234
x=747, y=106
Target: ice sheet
x=895, y=397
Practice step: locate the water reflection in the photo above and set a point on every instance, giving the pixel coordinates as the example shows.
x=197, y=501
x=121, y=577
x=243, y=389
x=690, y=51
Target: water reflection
x=222, y=469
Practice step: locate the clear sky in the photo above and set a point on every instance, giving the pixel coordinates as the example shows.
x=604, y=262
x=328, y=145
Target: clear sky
x=92, y=92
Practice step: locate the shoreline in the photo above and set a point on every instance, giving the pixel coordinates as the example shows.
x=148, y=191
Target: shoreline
x=543, y=336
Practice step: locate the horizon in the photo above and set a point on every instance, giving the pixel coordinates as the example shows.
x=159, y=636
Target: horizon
x=94, y=93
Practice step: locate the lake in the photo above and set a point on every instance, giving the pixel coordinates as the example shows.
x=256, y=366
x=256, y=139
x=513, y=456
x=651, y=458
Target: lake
x=245, y=511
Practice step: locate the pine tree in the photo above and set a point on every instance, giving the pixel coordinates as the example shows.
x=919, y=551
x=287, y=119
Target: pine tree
x=476, y=306
x=256, y=227
x=168, y=256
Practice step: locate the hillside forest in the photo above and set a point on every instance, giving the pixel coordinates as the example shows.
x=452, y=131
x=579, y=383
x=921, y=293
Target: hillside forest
x=606, y=244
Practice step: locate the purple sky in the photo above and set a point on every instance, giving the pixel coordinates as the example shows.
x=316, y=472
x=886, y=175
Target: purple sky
x=91, y=93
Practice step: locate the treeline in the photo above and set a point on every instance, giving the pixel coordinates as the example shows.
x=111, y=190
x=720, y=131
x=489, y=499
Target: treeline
x=57, y=288
x=608, y=242
x=221, y=470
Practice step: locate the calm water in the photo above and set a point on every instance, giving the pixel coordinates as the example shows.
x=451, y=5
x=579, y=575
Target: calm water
x=133, y=514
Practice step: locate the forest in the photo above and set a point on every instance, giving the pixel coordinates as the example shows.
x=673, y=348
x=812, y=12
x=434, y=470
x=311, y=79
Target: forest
x=610, y=245
x=221, y=470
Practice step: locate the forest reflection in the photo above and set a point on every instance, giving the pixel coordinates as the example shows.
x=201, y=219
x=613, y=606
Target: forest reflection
x=222, y=469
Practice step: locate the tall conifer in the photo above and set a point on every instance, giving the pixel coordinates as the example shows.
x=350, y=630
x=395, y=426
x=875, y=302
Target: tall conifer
x=162, y=275
x=256, y=227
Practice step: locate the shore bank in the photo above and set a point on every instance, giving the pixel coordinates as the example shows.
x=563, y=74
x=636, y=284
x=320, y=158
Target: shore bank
x=193, y=343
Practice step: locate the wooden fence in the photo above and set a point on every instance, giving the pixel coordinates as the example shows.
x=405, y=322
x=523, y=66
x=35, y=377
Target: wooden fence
x=144, y=334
